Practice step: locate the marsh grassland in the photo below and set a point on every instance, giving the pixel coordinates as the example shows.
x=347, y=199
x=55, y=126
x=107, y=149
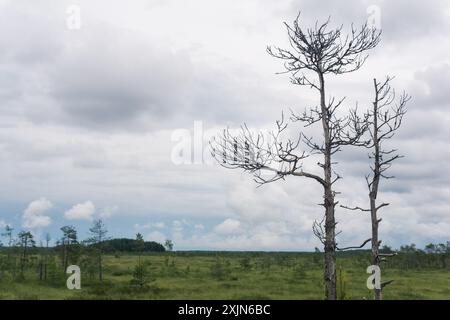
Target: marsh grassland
x=228, y=275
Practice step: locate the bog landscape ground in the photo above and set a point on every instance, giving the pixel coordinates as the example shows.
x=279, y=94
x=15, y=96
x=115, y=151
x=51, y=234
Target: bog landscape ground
x=231, y=275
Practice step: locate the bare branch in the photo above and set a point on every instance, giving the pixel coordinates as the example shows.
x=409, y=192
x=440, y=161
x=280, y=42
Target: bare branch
x=355, y=247
x=322, y=50
x=355, y=208
x=319, y=230
x=253, y=152
x=381, y=206
x=387, y=254
x=386, y=283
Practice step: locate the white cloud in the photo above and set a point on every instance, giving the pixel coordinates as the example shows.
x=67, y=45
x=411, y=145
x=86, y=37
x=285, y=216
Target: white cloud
x=38, y=206
x=156, y=236
x=81, y=211
x=157, y=225
x=178, y=227
x=228, y=226
x=265, y=236
x=108, y=212
x=32, y=217
x=3, y=224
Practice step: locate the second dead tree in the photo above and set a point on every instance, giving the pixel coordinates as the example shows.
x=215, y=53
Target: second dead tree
x=383, y=121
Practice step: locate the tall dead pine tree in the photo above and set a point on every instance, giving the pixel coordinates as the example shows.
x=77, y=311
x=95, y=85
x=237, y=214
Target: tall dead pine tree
x=384, y=119
x=315, y=53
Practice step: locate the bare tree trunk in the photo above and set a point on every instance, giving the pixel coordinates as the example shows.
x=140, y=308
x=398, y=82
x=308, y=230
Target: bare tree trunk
x=330, y=242
x=65, y=258
x=374, y=190
x=100, y=270
x=375, y=241
x=24, y=256
x=46, y=259
x=41, y=270
x=330, y=252
x=373, y=195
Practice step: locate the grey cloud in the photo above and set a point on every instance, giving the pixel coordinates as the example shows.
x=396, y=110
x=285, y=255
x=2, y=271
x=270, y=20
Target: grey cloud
x=435, y=95
x=123, y=84
x=108, y=79
x=28, y=37
x=8, y=88
x=401, y=20
x=129, y=86
x=422, y=122
x=76, y=107
x=407, y=20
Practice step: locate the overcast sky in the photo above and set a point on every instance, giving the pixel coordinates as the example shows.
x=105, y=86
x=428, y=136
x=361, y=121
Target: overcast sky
x=97, y=97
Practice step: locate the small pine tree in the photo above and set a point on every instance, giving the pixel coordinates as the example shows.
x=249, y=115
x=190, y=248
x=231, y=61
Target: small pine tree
x=140, y=274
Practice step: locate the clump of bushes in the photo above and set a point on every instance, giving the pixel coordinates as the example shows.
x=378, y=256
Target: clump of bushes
x=220, y=269
x=245, y=263
x=141, y=275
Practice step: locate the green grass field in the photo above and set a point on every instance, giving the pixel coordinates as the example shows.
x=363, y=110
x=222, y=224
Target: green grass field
x=230, y=276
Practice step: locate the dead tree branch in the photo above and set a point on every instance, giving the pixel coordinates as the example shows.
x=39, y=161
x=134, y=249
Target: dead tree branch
x=355, y=247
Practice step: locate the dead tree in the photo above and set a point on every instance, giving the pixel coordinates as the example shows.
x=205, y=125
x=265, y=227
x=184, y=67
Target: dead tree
x=383, y=121
x=314, y=53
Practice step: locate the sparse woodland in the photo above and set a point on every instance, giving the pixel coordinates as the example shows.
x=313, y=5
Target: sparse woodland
x=129, y=273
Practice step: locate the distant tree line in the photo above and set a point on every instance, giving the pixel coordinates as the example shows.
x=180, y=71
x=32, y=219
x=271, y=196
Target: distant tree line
x=130, y=245
x=410, y=257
